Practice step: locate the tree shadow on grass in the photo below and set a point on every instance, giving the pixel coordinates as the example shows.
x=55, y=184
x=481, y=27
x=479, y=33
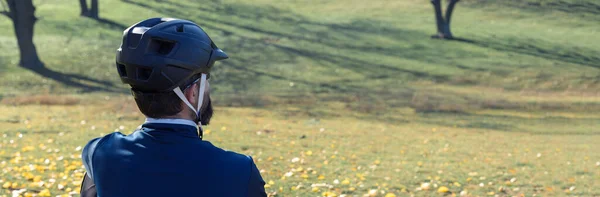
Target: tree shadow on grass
x=579, y=56
x=85, y=84
x=327, y=44
x=508, y=123
x=356, y=46
x=580, y=7
x=112, y=24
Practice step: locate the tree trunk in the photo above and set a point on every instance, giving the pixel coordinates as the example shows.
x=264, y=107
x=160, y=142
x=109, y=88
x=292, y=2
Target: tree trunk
x=94, y=11
x=23, y=17
x=439, y=19
x=446, y=33
x=84, y=8
x=449, y=11
x=443, y=23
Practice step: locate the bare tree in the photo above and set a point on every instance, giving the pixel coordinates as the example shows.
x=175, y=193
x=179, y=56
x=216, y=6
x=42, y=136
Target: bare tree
x=92, y=12
x=84, y=8
x=22, y=14
x=443, y=23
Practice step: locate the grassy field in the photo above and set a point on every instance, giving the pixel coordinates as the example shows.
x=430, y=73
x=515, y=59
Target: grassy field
x=332, y=98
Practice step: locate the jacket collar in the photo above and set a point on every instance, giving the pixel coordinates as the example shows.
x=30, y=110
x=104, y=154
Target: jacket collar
x=183, y=126
x=170, y=121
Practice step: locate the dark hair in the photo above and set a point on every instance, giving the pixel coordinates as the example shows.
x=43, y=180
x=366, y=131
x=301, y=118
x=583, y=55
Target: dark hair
x=207, y=113
x=160, y=104
x=157, y=105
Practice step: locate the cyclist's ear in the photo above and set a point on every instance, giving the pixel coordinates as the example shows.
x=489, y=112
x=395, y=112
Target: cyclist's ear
x=191, y=92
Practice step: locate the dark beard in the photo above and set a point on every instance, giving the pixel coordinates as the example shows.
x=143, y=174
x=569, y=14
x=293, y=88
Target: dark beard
x=207, y=113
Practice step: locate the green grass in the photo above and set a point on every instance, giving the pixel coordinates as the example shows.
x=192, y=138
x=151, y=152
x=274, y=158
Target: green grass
x=524, y=80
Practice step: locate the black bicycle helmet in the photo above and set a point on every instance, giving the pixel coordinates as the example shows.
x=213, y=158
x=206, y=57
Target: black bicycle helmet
x=160, y=54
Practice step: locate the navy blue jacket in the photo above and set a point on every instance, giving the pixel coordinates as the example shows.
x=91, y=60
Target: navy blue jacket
x=168, y=160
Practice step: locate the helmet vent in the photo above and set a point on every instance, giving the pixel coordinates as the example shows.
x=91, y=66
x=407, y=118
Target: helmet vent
x=161, y=47
x=143, y=73
x=122, y=70
x=180, y=28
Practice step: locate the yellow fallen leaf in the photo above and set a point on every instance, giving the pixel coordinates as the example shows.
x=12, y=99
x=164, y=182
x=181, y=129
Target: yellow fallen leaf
x=443, y=189
x=345, y=182
x=44, y=193
x=37, y=178
x=329, y=194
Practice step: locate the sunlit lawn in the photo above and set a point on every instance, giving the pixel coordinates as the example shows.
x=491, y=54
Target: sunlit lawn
x=302, y=155
x=333, y=98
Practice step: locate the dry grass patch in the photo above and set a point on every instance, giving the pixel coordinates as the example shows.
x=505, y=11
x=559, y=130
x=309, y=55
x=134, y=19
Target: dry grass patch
x=40, y=100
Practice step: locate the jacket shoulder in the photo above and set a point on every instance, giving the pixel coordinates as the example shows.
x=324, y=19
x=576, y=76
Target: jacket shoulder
x=90, y=148
x=243, y=167
x=229, y=156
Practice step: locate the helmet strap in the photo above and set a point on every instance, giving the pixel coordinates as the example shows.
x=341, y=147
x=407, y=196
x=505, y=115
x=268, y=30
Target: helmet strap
x=196, y=110
x=201, y=94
